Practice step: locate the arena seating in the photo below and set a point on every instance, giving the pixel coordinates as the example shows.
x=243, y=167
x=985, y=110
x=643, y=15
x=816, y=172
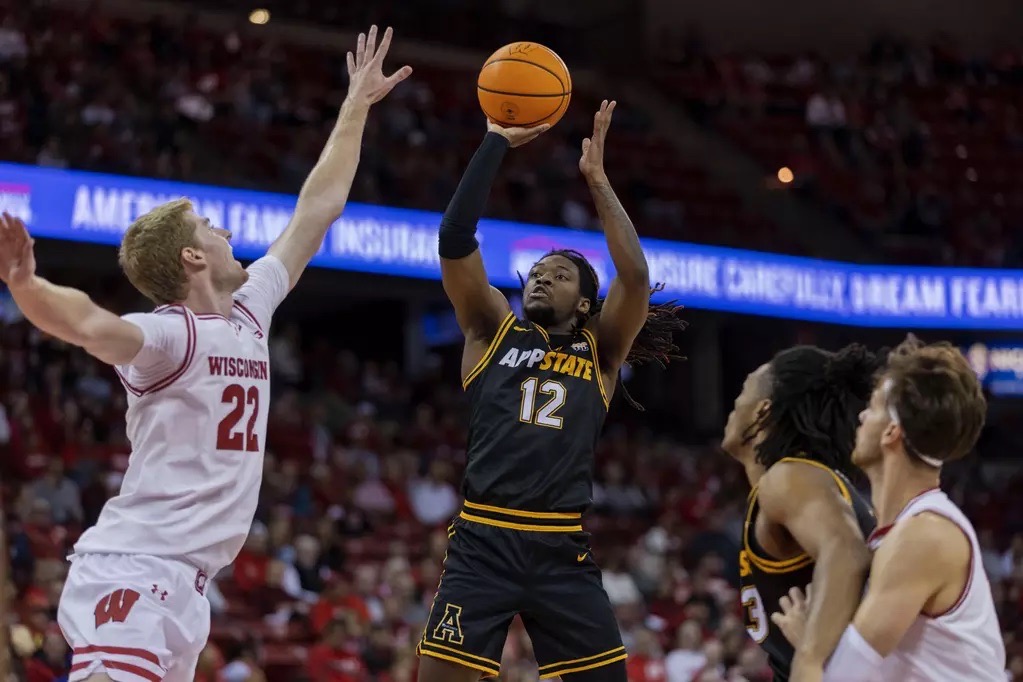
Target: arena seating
x=918, y=147
x=179, y=102
x=342, y=562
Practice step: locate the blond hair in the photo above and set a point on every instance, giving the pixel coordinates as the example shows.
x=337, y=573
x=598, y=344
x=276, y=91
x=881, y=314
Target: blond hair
x=150, y=253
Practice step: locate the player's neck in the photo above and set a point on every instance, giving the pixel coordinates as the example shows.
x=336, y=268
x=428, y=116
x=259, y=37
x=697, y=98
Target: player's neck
x=894, y=482
x=754, y=469
x=204, y=299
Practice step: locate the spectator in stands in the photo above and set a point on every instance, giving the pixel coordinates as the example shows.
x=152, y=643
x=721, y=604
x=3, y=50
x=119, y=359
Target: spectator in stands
x=434, y=500
x=688, y=657
x=335, y=658
x=245, y=665
x=60, y=493
x=646, y=660
x=52, y=661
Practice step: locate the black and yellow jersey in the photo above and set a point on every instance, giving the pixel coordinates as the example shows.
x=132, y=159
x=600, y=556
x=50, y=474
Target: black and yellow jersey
x=765, y=580
x=537, y=406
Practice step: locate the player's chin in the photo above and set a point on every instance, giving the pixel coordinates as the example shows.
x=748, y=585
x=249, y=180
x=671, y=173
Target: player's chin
x=539, y=311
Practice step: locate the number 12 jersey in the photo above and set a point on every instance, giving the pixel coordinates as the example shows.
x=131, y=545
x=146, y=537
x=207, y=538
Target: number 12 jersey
x=537, y=406
x=198, y=401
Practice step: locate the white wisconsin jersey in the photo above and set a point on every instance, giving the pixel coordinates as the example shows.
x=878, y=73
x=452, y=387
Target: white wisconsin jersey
x=198, y=399
x=965, y=642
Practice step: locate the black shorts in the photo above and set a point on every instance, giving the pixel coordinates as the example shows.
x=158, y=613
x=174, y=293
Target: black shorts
x=492, y=574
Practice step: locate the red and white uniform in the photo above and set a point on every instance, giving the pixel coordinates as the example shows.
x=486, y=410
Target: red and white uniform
x=198, y=398
x=965, y=642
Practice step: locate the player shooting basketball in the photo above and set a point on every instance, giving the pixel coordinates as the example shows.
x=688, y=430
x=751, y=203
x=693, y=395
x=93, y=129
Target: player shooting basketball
x=928, y=614
x=196, y=371
x=539, y=389
x=793, y=429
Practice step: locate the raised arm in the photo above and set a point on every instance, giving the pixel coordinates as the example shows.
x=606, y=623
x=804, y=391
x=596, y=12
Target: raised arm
x=325, y=192
x=808, y=503
x=479, y=307
x=66, y=313
x=628, y=298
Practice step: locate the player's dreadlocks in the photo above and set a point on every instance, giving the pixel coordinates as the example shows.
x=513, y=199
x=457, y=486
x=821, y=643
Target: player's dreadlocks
x=816, y=398
x=654, y=343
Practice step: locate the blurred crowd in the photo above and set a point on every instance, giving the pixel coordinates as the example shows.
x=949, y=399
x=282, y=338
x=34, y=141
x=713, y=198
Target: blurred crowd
x=919, y=147
x=170, y=99
x=361, y=478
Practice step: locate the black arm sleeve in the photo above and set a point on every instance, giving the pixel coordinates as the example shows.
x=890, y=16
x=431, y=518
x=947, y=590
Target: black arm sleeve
x=458, y=226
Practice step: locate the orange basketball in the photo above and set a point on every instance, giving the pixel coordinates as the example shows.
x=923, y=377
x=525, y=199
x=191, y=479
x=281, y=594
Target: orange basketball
x=524, y=85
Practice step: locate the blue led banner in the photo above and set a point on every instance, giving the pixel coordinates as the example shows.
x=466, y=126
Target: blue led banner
x=97, y=208
x=999, y=366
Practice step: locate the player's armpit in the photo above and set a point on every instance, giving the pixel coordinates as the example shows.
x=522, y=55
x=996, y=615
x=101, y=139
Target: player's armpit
x=808, y=502
x=918, y=562
x=268, y=284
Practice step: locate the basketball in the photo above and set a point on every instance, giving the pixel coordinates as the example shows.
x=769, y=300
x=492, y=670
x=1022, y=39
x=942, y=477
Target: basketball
x=524, y=85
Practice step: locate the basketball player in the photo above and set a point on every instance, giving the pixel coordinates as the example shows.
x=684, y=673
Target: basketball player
x=539, y=389
x=196, y=373
x=928, y=614
x=793, y=430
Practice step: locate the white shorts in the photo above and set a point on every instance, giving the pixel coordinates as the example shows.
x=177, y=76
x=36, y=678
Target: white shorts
x=133, y=617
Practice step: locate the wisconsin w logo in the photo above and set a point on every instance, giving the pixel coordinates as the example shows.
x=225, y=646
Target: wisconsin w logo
x=114, y=607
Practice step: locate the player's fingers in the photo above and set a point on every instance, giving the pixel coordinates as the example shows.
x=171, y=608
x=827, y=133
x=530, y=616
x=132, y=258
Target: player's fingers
x=350, y=58
x=398, y=76
x=385, y=44
x=785, y=604
x=778, y=619
x=586, y=145
x=360, y=50
x=371, y=42
x=796, y=595
x=809, y=588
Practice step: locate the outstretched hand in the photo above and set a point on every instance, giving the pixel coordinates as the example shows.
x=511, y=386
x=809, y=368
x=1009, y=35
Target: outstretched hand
x=17, y=257
x=591, y=163
x=791, y=620
x=367, y=82
x=517, y=136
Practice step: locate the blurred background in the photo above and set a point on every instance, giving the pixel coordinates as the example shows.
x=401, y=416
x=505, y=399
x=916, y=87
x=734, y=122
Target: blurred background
x=787, y=161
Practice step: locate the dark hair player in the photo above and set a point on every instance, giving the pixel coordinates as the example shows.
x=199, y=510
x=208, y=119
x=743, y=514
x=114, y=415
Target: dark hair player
x=793, y=428
x=539, y=389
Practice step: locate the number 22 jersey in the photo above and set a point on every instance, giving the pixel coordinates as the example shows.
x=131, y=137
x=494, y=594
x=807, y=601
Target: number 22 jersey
x=766, y=580
x=198, y=401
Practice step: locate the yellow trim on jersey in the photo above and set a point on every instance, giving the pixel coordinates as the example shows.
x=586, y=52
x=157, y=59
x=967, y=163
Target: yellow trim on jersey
x=523, y=514
x=502, y=330
x=469, y=664
x=520, y=526
x=543, y=333
x=581, y=660
x=558, y=669
x=795, y=563
x=474, y=657
x=596, y=366
x=842, y=487
x=768, y=565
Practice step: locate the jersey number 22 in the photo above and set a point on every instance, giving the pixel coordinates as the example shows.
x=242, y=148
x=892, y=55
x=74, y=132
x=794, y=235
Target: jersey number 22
x=242, y=400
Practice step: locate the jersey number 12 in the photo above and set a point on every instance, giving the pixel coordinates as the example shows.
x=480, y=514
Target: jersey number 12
x=546, y=415
x=227, y=437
